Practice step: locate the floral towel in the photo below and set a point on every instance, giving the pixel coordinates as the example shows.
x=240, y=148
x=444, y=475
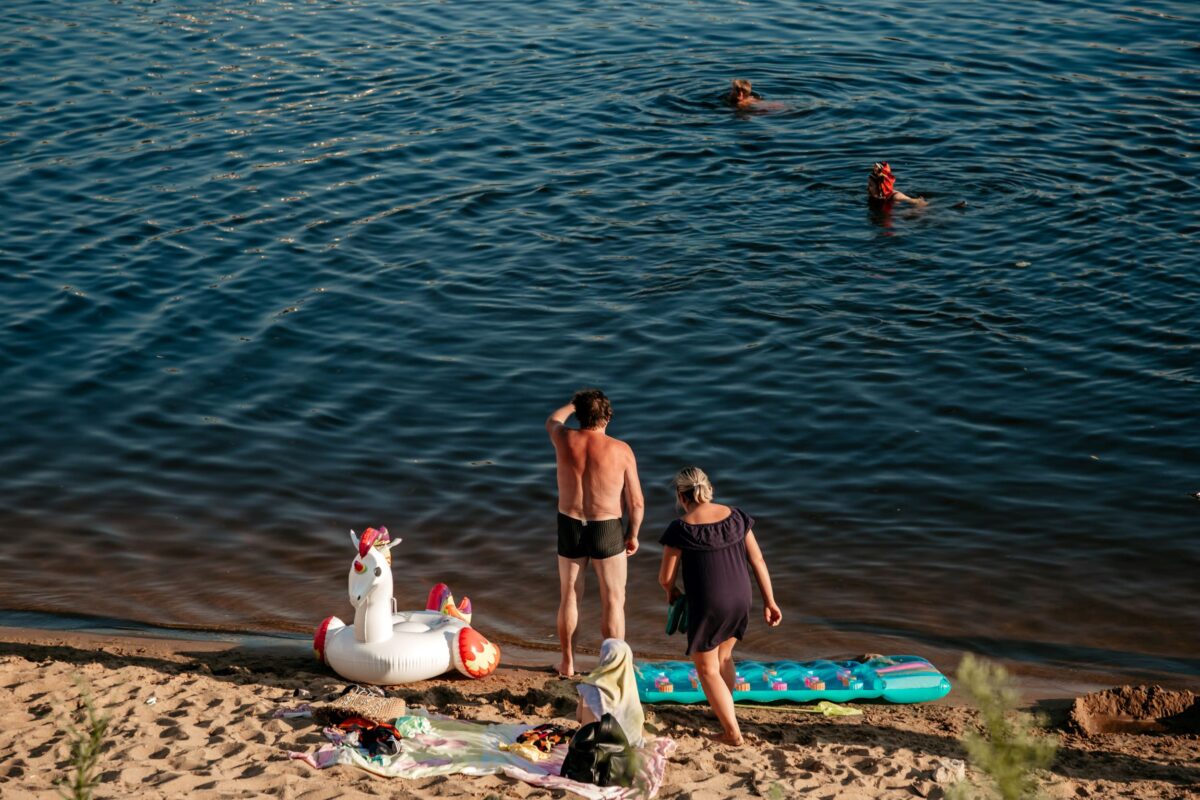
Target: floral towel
x=468, y=748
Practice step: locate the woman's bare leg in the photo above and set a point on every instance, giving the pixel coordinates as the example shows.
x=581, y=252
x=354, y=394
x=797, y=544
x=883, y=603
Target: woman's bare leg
x=725, y=658
x=708, y=670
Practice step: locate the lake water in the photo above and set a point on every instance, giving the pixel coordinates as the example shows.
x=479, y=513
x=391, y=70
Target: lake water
x=272, y=270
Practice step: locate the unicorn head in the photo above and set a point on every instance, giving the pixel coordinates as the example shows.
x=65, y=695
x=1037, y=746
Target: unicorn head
x=370, y=584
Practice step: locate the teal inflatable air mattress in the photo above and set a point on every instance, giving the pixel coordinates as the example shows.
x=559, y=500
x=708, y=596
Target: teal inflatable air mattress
x=895, y=679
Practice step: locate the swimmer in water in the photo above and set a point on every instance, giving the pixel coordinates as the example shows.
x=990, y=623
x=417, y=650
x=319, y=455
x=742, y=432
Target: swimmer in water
x=740, y=94
x=742, y=97
x=881, y=186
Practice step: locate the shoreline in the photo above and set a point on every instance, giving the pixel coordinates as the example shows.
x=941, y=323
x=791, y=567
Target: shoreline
x=211, y=730
x=1037, y=679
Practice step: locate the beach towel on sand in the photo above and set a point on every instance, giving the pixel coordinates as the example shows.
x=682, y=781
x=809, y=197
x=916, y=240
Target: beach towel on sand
x=611, y=688
x=468, y=748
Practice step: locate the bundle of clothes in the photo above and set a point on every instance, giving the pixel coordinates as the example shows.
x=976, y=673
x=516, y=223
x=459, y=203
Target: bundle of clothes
x=608, y=758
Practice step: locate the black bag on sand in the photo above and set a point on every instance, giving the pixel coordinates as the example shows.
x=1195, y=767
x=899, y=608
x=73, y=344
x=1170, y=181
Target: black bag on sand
x=599, y=753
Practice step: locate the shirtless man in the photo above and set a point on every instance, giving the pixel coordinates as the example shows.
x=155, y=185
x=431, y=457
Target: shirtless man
x=597, y=476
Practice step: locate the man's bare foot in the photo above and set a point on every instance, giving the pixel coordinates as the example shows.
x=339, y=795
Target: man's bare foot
x=725, y=738
x=565, y=669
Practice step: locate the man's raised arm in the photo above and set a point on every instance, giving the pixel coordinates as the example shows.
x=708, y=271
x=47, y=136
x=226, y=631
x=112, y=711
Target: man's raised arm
x=555, y=422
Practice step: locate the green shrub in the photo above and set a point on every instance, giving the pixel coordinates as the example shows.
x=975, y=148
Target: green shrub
x=1010, y=750
x=87, y=739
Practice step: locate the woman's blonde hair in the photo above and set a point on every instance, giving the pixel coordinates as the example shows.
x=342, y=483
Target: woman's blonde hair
x=693, y=483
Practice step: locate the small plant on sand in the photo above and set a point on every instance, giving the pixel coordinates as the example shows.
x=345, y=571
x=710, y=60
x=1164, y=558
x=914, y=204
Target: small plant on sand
x=1010, y=750
x=87, y=739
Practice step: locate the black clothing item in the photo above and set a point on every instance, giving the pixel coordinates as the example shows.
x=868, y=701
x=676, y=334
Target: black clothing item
x=600, y=538
x=716, y=577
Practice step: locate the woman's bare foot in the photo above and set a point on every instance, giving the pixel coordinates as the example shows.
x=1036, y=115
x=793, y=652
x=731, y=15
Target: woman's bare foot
x=725, y=738
x=565, y=669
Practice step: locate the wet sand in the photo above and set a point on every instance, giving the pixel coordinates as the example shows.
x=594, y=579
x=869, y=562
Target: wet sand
x=210, y=732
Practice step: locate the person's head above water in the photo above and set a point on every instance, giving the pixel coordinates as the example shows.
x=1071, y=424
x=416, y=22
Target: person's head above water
x=882, y=182
x=740, y=92
x=592, y=408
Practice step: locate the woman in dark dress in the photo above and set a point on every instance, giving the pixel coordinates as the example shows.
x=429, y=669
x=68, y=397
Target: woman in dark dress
x=715, y=549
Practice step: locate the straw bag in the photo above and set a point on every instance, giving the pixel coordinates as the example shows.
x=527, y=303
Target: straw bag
x=360, y=703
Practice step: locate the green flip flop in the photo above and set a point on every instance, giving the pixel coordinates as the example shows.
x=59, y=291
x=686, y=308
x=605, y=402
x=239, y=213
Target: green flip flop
x=677, y=616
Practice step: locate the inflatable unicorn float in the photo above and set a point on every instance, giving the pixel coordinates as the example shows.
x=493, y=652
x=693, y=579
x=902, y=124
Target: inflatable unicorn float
x=385, y=646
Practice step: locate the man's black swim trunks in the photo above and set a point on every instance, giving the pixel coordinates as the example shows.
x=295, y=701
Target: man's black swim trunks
x=602, y=538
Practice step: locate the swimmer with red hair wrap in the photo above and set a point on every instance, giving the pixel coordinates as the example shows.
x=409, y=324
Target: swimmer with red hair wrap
x=881, y=186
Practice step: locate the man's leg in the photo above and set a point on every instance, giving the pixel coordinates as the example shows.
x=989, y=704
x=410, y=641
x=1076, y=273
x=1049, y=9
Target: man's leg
x=570, y=584
x=612, y=572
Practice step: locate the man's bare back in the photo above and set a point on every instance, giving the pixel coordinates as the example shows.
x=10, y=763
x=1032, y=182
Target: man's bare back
x=592, y=472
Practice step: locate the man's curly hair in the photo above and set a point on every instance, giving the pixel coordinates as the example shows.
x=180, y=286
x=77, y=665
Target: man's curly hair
x=592, y=408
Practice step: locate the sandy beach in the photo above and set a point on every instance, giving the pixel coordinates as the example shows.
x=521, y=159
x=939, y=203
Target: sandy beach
x=211, y=732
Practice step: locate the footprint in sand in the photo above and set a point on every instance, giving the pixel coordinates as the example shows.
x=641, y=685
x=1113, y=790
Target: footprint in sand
x=866, y=766
x=163, y=778
x=188, y=762
x=173, y=732
x=138, y=752
x=107, y=683
x=31, y=697
x=227, y=750
x=280, y=726
x=137, y=774
x=41, y=749
x=252, y=771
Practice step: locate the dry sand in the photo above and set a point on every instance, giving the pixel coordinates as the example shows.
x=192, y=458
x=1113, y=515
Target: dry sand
x=210, y=732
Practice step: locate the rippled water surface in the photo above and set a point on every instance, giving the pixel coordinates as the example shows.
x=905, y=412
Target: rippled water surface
x=271, y=270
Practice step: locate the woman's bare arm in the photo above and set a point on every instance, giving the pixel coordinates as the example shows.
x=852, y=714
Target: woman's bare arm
x=916, y=201
x=771, y=612
x=668, y=573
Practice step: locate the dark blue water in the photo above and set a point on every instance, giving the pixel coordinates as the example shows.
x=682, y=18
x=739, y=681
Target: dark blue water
x=273, y=270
